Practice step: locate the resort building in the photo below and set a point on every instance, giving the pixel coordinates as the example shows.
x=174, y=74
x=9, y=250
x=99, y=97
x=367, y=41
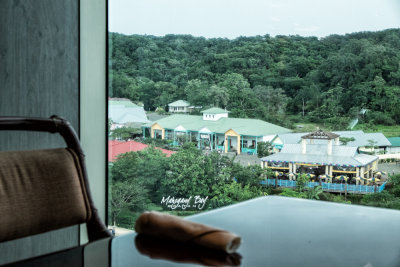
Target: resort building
x=365, y=142
x=214, y=130
x=320, y=153
x=124, y=113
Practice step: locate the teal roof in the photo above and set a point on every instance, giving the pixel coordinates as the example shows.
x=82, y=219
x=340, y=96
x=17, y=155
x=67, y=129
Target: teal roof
x=395, y=141
x=249, y=127
x=215, y=111
x=179, y=103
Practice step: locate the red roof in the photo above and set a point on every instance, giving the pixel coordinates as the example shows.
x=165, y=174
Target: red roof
x=119, y=147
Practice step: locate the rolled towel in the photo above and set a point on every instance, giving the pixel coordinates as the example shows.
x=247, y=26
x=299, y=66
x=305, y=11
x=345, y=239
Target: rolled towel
x=169, y=226
x=167, y=249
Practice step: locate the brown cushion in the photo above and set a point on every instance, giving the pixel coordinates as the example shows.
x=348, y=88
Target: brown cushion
x=40, y=190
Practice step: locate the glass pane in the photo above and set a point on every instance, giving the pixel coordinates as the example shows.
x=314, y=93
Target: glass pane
x=216, y=102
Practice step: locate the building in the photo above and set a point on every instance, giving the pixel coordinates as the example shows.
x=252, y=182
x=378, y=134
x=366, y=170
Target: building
x=365, y=142
x=214, y=130
x=124, y=113
x=116, y=148
x=313, y=156
x=179, y=106
x=395, y=145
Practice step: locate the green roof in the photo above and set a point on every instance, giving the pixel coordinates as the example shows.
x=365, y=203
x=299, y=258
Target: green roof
x=248, y=127
x=125, y=103
x=179, y=103
x=215, y=111
x=395, y=141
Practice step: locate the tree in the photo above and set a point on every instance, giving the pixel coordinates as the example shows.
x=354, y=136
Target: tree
x=232, y=192
x=126, y=195
x=186, y=173
x=273, y=99
x=345, y=140
x=219, y=96
x=125, y=133
x=394, y=182
x=372, y=144
x=264, y=149
x=196, y=92
x=167, y=93
x=144, y=169
x=302, y=181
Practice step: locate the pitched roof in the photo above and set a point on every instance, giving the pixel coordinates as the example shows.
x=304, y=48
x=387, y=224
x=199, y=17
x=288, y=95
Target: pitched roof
x=155, y=116
x=116, y=148
x=249, y=127
x=319, y=149
x=361, y=138
x=317, y=154
x=364, y=139
x=179, y=103
x=121, y=101
x=215, y=111
x=395, y=141
x=124, y=111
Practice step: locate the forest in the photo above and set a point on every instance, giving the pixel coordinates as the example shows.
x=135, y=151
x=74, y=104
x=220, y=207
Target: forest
x=281, y=79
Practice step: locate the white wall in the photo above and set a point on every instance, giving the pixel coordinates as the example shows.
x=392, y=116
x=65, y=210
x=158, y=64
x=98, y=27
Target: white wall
x=214, y=117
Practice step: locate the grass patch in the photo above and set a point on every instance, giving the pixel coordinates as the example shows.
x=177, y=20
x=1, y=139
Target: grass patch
x=388, y=131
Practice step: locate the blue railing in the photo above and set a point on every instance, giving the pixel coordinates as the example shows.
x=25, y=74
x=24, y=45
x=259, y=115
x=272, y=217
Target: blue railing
x=382, y=187
x=250, y=151
x=351, y=188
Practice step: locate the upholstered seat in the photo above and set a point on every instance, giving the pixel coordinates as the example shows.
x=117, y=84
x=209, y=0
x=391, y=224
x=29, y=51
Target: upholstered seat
x=44, y=190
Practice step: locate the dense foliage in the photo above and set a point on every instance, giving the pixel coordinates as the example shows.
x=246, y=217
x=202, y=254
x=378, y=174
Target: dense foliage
x=140, y=180
x=329, y=79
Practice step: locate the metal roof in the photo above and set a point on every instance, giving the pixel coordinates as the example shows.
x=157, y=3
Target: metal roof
x=248, y=127
x=317, y=154
x=215, y=111
x=125, y=112
x=121, y=101
x=361, y=139
x=364, y=139
x=319, y=149
x=395, y=141
x=179, y=103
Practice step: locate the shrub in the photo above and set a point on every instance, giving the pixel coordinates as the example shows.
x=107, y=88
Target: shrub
x=378, y=117
x=377, y=199
x=339, y=199
x=288, y=192
x=393, y=185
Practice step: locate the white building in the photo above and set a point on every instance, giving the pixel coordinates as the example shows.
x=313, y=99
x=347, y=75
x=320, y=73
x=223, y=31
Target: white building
x=179, y=106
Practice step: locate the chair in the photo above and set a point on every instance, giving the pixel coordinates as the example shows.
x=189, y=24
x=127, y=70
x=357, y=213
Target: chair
x=44, y=190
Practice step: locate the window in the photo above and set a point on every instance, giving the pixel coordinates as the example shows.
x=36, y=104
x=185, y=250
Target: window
x=278, y=67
